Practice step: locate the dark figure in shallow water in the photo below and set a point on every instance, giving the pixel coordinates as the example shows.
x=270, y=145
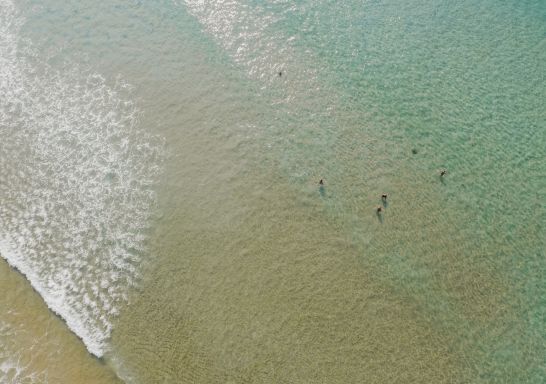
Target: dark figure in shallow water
x=280, y=73
x=443, y=172
x=384, y=197
x=379, y=209
x=321, y=182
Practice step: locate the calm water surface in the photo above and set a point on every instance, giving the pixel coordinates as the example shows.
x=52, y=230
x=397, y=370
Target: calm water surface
x=160, y=208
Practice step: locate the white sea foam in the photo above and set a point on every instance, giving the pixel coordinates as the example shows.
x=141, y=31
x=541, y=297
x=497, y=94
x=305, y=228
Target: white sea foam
x=76, y=184
x=12, y=372
x=13, y=369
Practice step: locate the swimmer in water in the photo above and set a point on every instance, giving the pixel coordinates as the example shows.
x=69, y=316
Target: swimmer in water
x=384, y=197
x=379, y=209
x=443, y=172
x=321, y=182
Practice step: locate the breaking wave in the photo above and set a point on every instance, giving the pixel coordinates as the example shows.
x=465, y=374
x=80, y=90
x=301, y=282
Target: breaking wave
x=77, y=180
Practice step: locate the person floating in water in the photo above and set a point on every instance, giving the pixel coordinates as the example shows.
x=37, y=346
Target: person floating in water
x=321, y=182
x=280, y=73
x=379, y=209
x=384, y=197
x=443, y=172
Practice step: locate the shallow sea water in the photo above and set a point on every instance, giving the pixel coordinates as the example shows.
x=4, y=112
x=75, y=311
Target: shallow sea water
x=224, y=260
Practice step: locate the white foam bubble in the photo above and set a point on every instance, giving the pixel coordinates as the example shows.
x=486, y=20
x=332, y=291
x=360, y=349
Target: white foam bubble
x=11, y=372
x=13, y=369
x=76, y=183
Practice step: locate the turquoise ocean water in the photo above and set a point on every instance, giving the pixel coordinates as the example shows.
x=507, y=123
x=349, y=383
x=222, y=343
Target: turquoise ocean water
x=159, y=188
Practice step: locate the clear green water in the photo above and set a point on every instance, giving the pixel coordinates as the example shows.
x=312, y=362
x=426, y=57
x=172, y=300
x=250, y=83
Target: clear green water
x=246, y=270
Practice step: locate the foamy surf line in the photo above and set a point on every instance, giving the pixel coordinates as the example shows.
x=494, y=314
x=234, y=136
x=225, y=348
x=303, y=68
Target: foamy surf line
x=54, y=302
x=77, y=183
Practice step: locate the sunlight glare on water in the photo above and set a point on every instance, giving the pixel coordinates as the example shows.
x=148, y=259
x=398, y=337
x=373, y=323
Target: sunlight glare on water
x=176, y=223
